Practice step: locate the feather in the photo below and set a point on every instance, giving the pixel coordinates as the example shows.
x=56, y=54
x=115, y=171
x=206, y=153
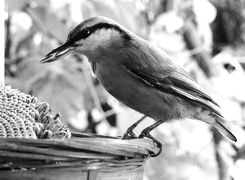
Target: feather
x=221, y=127
x=183, y=87
x=155, y=68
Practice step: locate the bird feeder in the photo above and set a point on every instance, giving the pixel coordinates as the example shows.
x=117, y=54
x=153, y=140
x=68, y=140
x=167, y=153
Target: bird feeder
x=90, y=157
x=34, y=144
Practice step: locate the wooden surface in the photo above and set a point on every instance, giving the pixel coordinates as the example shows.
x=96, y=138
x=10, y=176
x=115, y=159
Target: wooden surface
x=56, y=174
x=84, y=156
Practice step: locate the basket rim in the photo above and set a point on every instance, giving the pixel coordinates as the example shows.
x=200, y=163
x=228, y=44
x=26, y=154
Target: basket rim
x=82, y=150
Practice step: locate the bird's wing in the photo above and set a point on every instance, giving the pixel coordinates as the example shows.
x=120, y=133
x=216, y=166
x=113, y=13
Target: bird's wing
x=178, y=83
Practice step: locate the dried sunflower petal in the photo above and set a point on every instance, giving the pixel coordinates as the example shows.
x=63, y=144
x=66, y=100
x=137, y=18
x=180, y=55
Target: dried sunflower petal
x=22, y=116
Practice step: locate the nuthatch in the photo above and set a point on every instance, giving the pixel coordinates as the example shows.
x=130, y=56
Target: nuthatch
x=141, y=75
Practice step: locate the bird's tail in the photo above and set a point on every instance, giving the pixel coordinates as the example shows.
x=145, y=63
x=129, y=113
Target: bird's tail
x=221, y=127
x=216, y=121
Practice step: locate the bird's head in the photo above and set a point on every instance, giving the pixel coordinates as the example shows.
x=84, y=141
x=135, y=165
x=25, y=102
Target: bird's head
x=90, y=38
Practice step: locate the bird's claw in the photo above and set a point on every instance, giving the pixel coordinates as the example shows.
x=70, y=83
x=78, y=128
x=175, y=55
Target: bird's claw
x=158, y=143
x=129, y=134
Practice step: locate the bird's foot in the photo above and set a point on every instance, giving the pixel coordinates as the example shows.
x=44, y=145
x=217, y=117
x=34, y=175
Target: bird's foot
x=130, y=134
x=158, y=143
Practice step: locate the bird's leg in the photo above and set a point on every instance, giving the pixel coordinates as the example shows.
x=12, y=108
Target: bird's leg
x=146, y=133
x=130, y=131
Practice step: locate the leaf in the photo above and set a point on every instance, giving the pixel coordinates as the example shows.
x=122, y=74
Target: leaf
x=60, y=84
x=13, y=5
x=48, y=23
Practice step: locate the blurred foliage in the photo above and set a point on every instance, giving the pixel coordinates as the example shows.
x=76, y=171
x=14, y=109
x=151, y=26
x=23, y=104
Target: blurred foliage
x=27, y=44
x=182, y=28
x=228, y=24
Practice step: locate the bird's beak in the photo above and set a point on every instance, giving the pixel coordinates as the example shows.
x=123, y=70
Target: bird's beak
x=57, y=53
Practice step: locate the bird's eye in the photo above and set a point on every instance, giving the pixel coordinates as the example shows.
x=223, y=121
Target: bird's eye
x=77, y=35
x=85, y=33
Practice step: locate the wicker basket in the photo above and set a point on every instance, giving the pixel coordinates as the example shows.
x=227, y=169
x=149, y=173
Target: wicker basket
x=83, y=156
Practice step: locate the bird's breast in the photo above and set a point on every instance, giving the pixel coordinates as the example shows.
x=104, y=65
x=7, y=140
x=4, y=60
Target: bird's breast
x=114, y=78
x=136, y=94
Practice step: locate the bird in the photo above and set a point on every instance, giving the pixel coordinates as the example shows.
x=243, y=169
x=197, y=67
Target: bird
x=140, y=75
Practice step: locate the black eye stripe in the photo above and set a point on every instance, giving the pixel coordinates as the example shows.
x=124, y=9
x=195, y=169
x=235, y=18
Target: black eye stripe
x=78, y=34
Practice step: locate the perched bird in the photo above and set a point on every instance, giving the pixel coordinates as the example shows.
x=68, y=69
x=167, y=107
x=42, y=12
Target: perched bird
x=141, y=75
